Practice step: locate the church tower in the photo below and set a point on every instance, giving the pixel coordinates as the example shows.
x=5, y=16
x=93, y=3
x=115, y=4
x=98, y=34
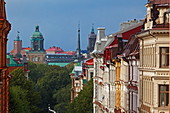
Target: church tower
x=91, y=41
x=17, y=46
x=37, y=52
x=5, y=27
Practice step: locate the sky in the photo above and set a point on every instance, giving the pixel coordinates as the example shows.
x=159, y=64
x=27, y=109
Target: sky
x=58, y=19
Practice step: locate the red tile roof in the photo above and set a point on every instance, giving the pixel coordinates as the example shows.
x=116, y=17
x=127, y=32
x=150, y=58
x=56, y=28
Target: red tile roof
x=22, y=49
x=159, y=1
x=89, y=62
x=12, y=51
x=67, y=52
x=28, y=48
x=55, y=49
x=132, y=47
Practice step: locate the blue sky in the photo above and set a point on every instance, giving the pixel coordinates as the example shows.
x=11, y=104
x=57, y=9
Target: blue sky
x=58, y=19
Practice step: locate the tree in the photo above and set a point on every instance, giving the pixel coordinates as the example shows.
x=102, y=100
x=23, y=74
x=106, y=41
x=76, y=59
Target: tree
x=62, y=99
x=46, y=85
x=83, y=103
x=18, y=100
x=29, y=95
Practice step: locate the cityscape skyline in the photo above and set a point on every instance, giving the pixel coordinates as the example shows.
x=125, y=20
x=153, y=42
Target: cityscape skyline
x=58, y=20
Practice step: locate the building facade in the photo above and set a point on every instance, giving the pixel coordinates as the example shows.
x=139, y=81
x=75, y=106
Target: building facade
x=57, y=56
x=77, y=81
x=111, y=72
x=98, y=92
x=130, y=74
x=154, y=59
x=88, y=69
x=5, y=27
x=37, y=52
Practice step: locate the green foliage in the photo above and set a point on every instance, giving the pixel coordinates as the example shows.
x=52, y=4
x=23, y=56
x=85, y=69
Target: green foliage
x=83, y=103
x=50, y=80
x=18, y=100
x=62, y=99
x=29, y=95
x=46, y=85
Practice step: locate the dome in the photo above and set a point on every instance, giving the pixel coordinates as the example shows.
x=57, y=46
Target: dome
x=37, y=33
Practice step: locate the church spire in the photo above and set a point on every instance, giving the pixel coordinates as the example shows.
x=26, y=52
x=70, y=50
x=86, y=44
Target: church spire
x=18, y=38
x=2, y=10
x=92, y=30
x=78, y=46
x=37, y=28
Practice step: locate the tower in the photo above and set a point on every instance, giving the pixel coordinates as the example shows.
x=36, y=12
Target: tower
x=37, y=52
x=5, y=27
x=78, y=51
x=37, y=41
x=17, y=46
x=91, y=41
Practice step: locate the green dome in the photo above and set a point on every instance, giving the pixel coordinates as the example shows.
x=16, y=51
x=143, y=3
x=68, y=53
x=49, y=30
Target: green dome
x=37, y=33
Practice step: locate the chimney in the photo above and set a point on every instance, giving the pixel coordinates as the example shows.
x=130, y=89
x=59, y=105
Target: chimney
x=100, y=34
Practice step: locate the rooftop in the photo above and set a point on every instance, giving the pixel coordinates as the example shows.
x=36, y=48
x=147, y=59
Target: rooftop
x=159, y=1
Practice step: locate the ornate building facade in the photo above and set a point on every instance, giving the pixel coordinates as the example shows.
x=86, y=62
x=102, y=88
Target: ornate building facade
x=37, y=52
x=5, y=27
x=112, y=91
x=154, y=58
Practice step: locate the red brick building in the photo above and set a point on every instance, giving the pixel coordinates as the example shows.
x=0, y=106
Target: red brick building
x=4, y=76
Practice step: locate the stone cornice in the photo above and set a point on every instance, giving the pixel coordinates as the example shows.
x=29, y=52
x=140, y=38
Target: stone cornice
x=152, y=33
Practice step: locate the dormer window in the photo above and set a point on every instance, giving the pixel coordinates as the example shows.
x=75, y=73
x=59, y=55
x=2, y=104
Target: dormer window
x=166, y=16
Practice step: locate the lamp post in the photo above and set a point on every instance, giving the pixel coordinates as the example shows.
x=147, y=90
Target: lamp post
x=51, y=109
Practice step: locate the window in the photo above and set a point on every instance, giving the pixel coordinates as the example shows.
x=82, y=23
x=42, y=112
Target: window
x=77, y=84
x=91, y=74
x=164, y=56
x=163, y=95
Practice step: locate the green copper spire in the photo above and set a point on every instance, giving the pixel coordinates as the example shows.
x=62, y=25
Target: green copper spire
x=92, y=31
x=37, y=33
x=18, y=38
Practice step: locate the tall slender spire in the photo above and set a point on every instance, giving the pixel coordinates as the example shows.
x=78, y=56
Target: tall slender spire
x=78, y=47
x=2, y=10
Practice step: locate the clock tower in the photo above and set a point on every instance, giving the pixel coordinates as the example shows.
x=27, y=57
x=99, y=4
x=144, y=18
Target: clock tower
x=37, y=52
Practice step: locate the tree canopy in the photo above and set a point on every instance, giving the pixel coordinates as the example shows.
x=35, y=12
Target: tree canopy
x=47, y=85
x=83, y=103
